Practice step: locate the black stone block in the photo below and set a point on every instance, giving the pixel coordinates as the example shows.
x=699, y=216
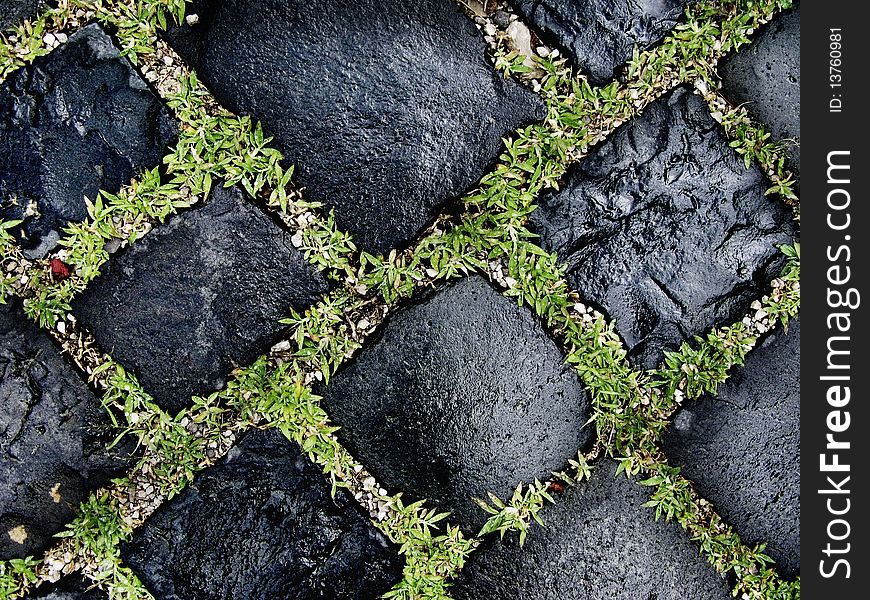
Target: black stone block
x=262, y=524
x=54, y=436
x=599, y=543
x=72, y=587
x=74, y=122
x=742, y=448
x=387, y=108
x=14, y=11
x=766, y=77
x=463, y=393
x=665, y=228
x=600, y=35
x=198, y=296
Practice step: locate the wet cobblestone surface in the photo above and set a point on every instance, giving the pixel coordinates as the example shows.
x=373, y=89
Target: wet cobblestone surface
x=389, y=113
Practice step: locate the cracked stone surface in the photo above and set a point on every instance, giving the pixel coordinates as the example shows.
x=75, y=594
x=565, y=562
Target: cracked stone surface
x=53, y=438
x=665, y=228
x=766, y=77
x=72, y=123
x=198, y=296
x=600, y=35
x=73, y=587
x=742, y=448
x=14, y=11
x=262, y=524
x=388, y=109
x=599, y=543
x=462, y=393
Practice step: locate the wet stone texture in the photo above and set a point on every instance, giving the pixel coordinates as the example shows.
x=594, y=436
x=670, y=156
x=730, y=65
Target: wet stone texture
x=53, y=438
x=387, y=108
x=600, y=543
x=74, y=122
x=262, y=524
x=765, y=76
x=72, y=587
x=198, y=296
x=600, y=35
x=665, y=228
x=463, y=393
x=13, y=12
x=742, y=448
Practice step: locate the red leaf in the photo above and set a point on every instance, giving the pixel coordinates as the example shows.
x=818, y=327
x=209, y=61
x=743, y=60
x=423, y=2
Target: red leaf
x=59, y=269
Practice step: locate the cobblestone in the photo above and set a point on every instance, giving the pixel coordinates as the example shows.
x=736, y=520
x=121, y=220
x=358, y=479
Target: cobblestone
x=665, y=228
x=14, y=11
x=463, y=393
x=54, y=436
x=742, y=448
x=387, y=109
x=76, y=121
x=70, y=588
x=600, y=543
x=600, y=35
x=766, y=78
x=262, y=524
x=199, y=296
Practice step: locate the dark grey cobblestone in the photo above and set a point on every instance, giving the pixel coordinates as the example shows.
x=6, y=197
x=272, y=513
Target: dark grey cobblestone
x=387, y=108
x=742, y=448
x=766, y=77
x=665, y=228
x=600, y=35
x=72, y=123
x=262, y=524
x=14, y=11
x=463, y=393
x=599, y=543
x=198, y=296
x=53, y=438
x=72, y=587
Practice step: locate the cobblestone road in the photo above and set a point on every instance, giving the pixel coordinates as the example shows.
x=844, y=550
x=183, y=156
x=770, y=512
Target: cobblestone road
x=275, y=273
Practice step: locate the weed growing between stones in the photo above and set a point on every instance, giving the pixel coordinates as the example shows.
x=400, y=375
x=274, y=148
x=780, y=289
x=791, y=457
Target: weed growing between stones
x=17, y=574
x=216, y=147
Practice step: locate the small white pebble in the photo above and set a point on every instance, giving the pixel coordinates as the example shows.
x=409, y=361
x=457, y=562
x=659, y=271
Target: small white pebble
x=281, y=346
x=192, y=19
